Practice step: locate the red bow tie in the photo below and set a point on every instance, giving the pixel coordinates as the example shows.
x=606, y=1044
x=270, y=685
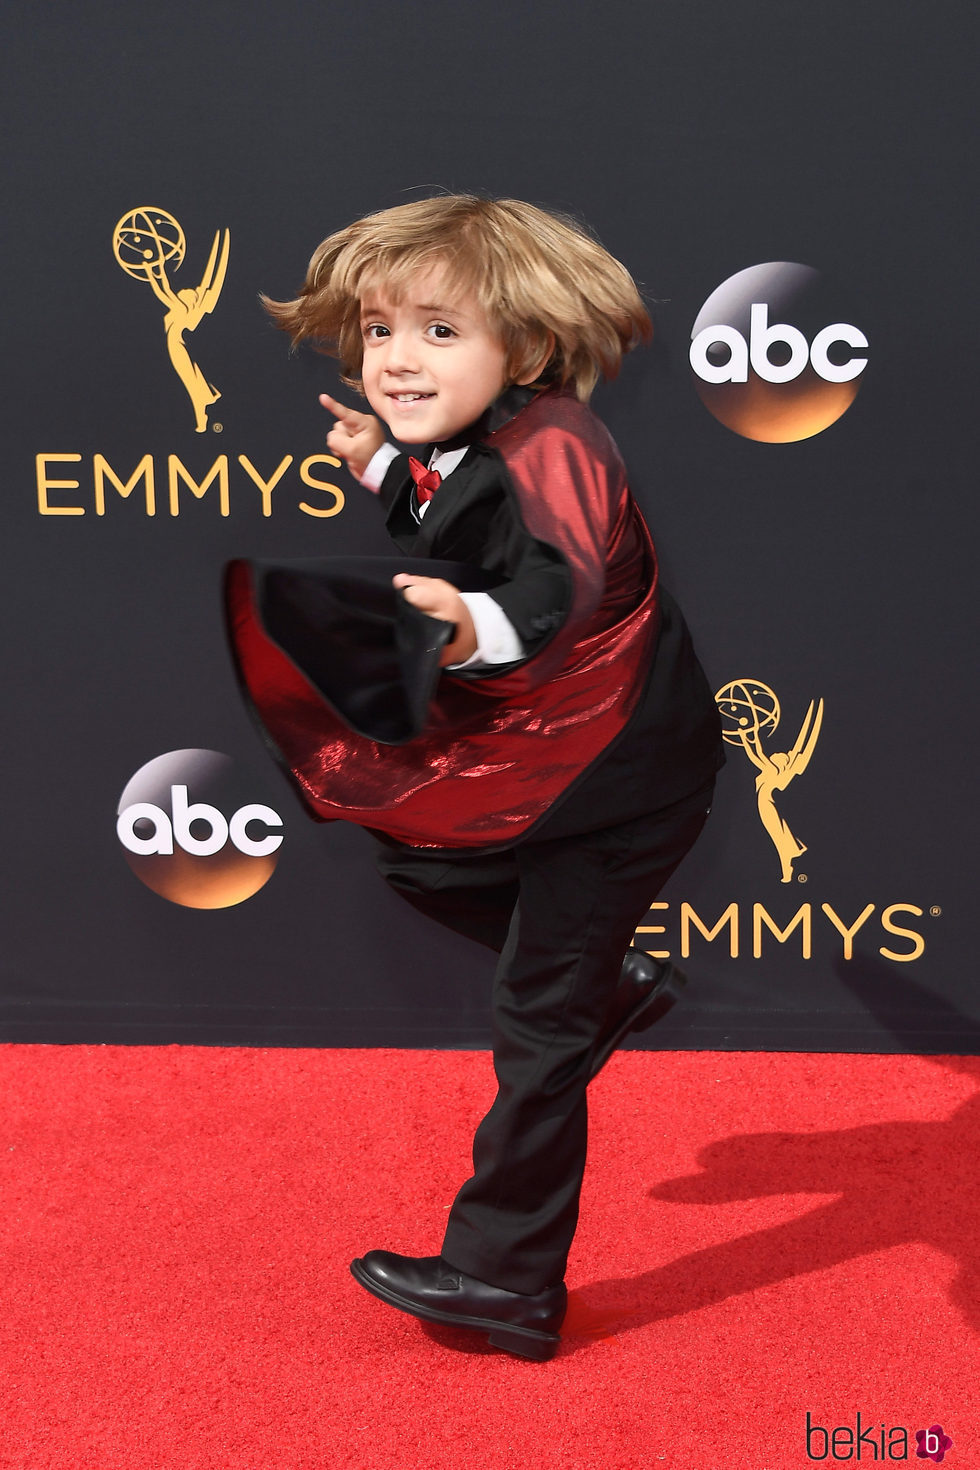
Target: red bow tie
x=427, y=482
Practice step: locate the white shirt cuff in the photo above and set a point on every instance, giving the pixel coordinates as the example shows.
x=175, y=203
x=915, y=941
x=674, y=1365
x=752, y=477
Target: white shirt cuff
x=378, y=467
x=496, y=638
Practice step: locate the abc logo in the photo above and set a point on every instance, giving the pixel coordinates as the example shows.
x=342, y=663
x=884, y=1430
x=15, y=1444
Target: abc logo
x=191, y=834
x=773, y=357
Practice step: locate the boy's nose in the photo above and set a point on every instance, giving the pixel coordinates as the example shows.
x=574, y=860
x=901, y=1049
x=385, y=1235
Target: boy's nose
x=402, y=356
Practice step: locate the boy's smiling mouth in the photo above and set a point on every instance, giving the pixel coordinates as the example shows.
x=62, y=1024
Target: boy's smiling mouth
x=410, y=397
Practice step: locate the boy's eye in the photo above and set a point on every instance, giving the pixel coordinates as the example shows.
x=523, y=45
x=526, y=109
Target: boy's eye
x=441, y=331
x=373, y=331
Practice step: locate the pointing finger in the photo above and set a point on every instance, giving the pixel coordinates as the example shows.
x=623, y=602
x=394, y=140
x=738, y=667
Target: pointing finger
x=347, y=416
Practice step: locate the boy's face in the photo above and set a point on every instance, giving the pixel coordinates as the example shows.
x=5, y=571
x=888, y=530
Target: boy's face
x=432, y=363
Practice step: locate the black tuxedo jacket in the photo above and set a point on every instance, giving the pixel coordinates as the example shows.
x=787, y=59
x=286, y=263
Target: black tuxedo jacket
x=471, y=519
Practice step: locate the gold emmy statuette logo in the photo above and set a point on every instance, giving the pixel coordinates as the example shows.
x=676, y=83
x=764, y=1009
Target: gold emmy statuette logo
x=749, y=709
x=145, y=242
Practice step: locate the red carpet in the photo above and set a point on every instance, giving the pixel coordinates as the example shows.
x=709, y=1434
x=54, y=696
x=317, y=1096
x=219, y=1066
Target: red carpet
x=763, y=1236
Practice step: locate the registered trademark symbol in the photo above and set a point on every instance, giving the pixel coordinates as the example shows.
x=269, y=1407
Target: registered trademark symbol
x=935, y=911
x=801, y=877
x=216, y=428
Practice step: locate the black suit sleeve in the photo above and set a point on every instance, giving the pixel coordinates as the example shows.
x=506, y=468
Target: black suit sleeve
x=536, y=599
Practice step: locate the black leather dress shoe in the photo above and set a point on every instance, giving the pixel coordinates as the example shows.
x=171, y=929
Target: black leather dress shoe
x=646, y=991
x=428, y=1287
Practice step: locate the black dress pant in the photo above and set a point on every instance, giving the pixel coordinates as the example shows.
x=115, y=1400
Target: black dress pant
x=562, y=911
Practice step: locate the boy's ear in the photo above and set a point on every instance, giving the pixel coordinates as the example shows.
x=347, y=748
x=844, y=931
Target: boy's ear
x=538, y=362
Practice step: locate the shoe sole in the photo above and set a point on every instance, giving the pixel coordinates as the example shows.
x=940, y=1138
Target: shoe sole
x=524, y=1341
x=645, y=1013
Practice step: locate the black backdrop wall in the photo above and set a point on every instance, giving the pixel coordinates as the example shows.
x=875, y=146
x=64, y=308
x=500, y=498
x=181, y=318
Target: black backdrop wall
x=700, y=138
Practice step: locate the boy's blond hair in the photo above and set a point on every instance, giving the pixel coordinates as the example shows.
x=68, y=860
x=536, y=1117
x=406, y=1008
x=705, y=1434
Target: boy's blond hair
x=565, y=310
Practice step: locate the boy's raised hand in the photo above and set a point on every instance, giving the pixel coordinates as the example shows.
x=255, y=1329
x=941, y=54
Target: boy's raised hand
x=355, y=437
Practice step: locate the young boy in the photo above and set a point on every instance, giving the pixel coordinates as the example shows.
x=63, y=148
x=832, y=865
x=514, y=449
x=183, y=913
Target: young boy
x=564, y=763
